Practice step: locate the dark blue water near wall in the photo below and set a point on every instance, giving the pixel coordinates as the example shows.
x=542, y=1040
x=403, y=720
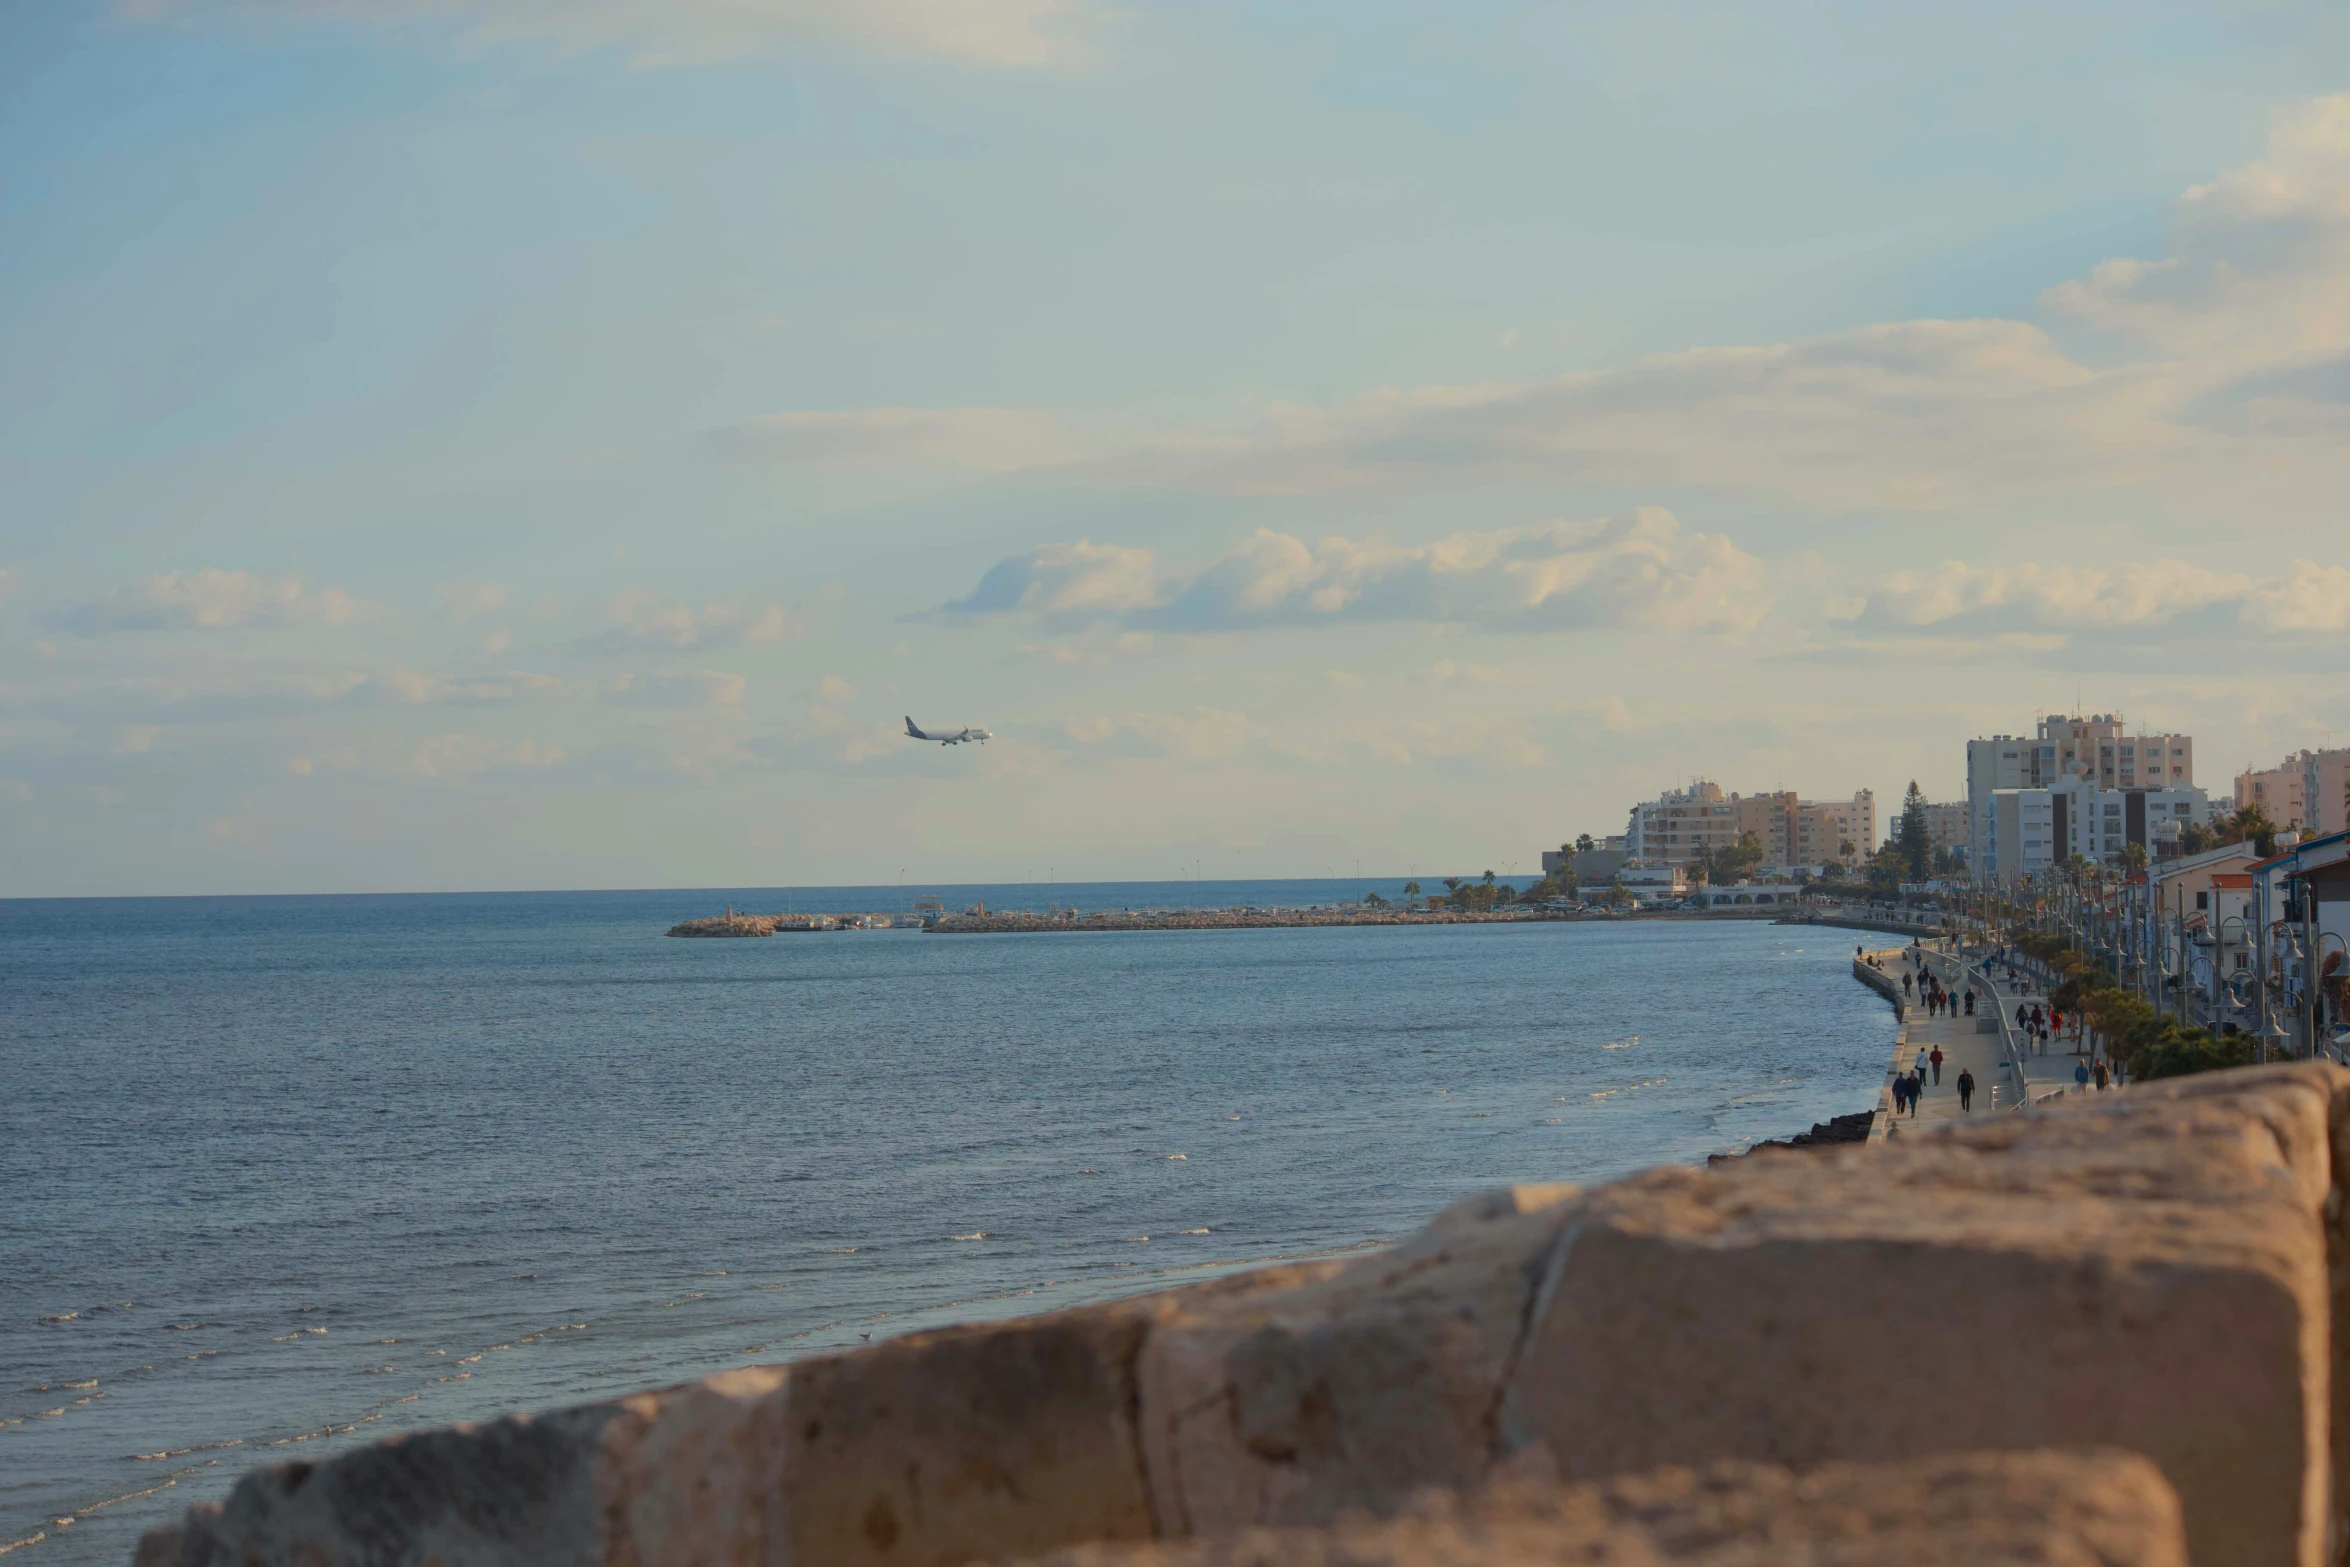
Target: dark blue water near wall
x=279, y=1175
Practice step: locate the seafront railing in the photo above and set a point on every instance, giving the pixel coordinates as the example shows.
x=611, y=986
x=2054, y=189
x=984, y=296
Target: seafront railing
x=2007, y=1038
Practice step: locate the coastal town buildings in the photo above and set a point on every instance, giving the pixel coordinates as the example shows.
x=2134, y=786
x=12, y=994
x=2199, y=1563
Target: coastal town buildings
x=1680, y=825
x=2028, y=831
x=2201, y=912
x=1592, y=866
x=2325, y=790
x=1947, y=823
x=2309, y=790
x=2097, y=750
x=2276, y=790
x=1824, y=827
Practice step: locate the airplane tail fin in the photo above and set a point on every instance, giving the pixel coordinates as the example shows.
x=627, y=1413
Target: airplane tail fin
x=910, y=729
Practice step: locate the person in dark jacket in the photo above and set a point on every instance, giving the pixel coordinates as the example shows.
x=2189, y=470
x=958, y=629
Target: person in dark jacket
x=1966, y=1090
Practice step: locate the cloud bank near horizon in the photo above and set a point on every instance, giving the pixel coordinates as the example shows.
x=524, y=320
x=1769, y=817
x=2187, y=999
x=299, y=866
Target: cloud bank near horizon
x=1019, y=34
x=1641, y=571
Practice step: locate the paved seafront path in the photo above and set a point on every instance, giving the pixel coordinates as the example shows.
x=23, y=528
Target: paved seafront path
x=1963, y=1048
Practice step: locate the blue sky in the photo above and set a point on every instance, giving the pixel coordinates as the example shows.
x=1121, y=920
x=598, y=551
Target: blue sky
x=488, y=443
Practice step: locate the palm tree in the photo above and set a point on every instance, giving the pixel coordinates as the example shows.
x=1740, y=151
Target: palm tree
x=1411, y=889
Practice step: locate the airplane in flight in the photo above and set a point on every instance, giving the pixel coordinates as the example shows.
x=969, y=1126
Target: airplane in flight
x=960, y=736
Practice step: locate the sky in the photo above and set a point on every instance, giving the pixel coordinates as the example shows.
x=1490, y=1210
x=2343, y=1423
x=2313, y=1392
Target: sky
x=469, y=444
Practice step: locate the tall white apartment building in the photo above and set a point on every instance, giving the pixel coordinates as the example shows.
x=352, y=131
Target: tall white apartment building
x=2097, y=749
x=2031, y=830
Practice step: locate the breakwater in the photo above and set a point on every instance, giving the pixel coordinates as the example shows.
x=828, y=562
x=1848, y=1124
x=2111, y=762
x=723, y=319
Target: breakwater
x=2143, y=1272
x=1010, y=923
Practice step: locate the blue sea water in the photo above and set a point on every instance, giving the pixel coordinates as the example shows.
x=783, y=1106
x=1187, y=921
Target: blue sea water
x=282, y=1175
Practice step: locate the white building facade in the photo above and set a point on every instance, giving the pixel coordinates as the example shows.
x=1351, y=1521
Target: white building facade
x=2095, y=750
x=2029, y=831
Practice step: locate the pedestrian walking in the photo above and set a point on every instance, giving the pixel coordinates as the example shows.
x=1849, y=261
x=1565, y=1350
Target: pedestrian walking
x=1905, y=983
x=1970, y=1001
x=1936, y=1058
x=1920, y=1069
x=1966, y=1090
x=2100, y=1076
x=2080, y=1077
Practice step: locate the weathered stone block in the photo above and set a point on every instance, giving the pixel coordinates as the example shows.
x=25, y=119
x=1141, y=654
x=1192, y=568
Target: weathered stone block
x=1288, y=1406
x=942, y=1448
x=2151, y=1279
x=519, y=1491
x=2044, y=1509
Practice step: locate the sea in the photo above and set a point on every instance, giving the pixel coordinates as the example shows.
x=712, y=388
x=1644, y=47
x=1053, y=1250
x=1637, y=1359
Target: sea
x=281, y=1175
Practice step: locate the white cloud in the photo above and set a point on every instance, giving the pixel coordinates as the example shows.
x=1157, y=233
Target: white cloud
x=1019, y=33
x=975, y=440
x=2241, y=339
x=1640, y=571
x=2259, y=271
x=2308, y=596
x=1080, y=581
x=642, y=623
x=213, y=599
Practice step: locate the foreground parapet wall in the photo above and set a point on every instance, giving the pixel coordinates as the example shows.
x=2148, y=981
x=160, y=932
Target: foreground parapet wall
x=2151, y=1270
x=2041, y=1508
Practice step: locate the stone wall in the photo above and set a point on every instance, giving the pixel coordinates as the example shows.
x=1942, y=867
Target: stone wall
x=2154, y=1272
x=1882, y=982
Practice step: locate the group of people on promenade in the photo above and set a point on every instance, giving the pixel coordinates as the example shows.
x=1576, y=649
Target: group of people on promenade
x=2036, y=1021
x=1929, y=989
x=1910, y=1086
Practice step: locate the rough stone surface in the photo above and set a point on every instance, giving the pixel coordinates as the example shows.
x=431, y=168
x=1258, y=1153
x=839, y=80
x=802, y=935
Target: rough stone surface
x=2151, y=1277
x=1289, y=1406
x=2048, y=1509
x=937, y=1449
x=519, y=1491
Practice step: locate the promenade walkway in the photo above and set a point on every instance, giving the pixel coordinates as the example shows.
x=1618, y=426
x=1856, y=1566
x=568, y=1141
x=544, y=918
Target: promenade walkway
x=1972, y=1044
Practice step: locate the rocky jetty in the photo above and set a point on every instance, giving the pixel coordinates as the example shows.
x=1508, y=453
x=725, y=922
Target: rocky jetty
x=999, y=924
x=2102, y=1332
x=729, y=924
